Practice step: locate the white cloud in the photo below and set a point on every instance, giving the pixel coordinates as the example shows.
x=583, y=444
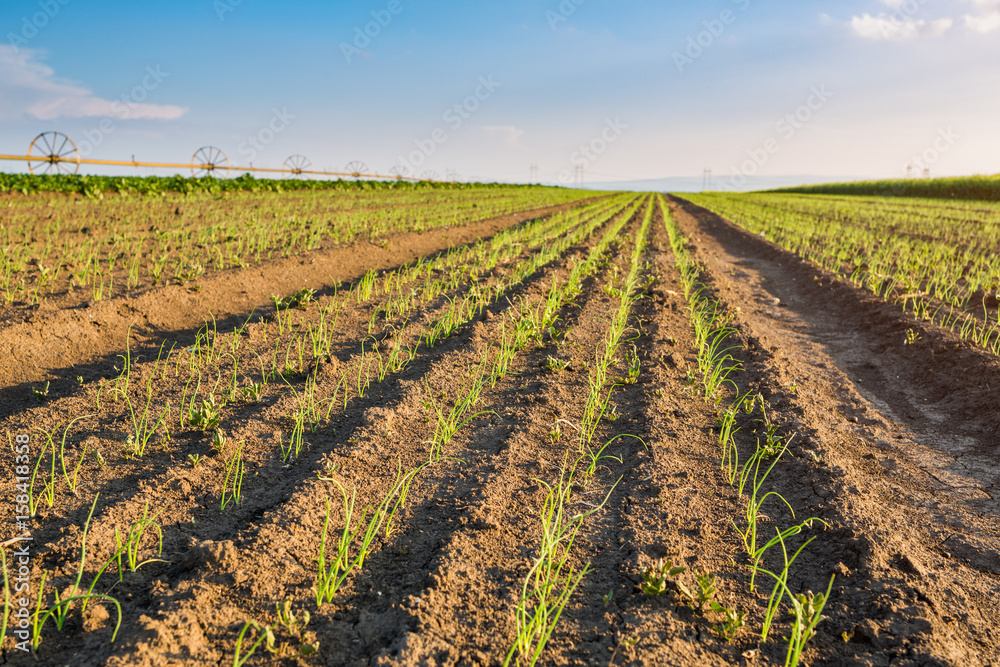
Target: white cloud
x=893, y=27
x=901, y=24
x=29, y=88
x=987, y=17
x=511, y=134
x=983, y=24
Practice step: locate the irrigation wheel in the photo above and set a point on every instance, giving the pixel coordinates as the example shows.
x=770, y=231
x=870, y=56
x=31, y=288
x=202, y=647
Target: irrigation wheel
x=295, y=165
x=429, y=175
x=209, y=159
x=53, y=153
x=399, y=172
x=357, y=169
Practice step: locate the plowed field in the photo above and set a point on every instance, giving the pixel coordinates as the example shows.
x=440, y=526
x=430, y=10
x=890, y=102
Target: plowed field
x=612, y=431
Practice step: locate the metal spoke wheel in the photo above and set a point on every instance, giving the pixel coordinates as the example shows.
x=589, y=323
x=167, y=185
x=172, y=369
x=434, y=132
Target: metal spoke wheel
x=53, y=153
x=295, y=165
x=208, y=160
x=357, y=169
x=399, y=172
x=429, y=175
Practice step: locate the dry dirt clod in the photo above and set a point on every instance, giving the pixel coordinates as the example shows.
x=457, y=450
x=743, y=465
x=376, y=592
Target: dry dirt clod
x=214, y=555
x=95, y=617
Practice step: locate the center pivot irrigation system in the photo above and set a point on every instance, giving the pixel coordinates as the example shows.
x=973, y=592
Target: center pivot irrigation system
x=55, y=153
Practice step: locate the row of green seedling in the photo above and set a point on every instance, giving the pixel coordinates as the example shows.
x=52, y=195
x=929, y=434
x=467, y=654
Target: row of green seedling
x=749, y=479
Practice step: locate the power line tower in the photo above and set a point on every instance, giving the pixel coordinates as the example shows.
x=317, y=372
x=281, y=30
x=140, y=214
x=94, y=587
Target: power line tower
x=578, y=175
x=533, y=171
x=706, y=179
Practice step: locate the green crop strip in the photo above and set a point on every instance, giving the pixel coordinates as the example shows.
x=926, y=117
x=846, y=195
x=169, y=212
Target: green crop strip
x=552, y=578
x=970, y=188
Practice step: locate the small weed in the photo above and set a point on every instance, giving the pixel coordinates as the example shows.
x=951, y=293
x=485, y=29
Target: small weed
x=555, y=433
x=705, y=593
x=218, y=440
x=555, y=365
x=807, y=610
x=304, y=643
x=206, y=417
x=300, y=299
x=656, y=577
x=41, y=393
x=253, y=392
x=632, y=359
x=195, y=459
x=731, y=623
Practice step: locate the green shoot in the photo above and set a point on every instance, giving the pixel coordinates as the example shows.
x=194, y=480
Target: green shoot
x=62, y=606
x=265, y=635
x=41, y=393
x=333, y=573
x=232, y=485
x=133, y=542
x=552, y=579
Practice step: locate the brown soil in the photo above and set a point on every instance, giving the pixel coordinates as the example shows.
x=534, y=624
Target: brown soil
x=894, y=448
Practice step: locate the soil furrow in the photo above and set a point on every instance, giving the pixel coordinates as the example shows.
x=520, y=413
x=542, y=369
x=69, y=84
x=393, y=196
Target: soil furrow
x=873, y=415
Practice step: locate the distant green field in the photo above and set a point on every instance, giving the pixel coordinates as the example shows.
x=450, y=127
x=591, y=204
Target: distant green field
x=153, y=185
x=984, y=188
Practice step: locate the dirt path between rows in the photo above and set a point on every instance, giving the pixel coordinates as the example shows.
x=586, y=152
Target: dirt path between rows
x=907, y=432
x=43, y=345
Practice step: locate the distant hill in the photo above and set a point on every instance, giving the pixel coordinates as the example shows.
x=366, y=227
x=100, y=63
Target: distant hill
x=696, y=184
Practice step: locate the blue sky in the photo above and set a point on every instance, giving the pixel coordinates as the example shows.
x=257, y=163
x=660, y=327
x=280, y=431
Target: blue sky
x=627, y=90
